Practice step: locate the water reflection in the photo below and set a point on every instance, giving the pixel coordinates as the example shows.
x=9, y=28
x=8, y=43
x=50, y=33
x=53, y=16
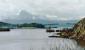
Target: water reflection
x=34, y=39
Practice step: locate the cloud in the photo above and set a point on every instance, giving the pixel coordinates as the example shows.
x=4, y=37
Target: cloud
x=52, y=9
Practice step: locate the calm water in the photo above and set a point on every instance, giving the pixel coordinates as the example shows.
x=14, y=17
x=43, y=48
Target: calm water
x=34, y=39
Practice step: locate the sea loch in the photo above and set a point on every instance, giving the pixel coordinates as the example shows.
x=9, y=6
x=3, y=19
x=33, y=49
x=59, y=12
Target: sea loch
x=34, y=39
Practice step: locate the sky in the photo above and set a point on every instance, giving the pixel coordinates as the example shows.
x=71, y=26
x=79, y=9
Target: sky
x=51, y=9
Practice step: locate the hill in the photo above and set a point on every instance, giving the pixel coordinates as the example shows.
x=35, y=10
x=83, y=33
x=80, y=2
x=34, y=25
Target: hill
x=35, y=25
x=7, y=25
x=77, y=32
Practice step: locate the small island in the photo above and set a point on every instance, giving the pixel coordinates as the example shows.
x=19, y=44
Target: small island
x=31, y=25
x=7, y=26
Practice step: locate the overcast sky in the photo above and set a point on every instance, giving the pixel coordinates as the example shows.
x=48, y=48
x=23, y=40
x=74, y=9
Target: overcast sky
x=52, y=9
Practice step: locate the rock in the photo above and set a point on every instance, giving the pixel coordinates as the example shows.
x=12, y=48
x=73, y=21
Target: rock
x=79, y=28
x=77, y=32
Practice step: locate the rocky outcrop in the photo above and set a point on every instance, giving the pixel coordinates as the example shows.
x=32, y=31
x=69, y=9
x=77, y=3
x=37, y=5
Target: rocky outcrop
x=79, y=29
x=77, y=32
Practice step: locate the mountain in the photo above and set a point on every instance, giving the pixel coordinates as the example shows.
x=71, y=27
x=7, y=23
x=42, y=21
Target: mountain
x=26, y=17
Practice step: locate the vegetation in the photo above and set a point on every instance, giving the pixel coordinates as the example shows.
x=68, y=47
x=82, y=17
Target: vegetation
x=36, y=25
x=7, y=25
x=13, y=26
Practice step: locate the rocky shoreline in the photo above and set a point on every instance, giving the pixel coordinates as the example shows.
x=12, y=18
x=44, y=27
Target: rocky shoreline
x=77, y=33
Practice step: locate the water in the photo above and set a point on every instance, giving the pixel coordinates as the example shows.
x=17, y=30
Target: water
x=34, y=39
x=63, y=25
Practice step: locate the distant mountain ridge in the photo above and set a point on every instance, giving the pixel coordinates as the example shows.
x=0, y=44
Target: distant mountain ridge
x=26, y=17
x=37, y=25
x=7, y=25
x=25, y=25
